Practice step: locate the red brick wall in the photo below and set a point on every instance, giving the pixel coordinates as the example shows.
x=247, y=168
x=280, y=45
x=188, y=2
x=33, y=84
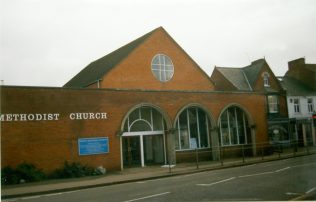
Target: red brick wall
x=273, y=81
x=48, y=144
x=283, y=106
x=135, y=71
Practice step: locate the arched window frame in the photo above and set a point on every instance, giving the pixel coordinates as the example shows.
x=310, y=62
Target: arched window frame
x=129, y=124
x=230, y=130
x=179, y=130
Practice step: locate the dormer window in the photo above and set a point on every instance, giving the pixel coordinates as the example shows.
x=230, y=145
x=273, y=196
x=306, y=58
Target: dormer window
x=266, y=76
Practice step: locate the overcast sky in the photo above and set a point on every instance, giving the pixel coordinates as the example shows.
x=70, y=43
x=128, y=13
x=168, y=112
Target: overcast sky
x=47, y=42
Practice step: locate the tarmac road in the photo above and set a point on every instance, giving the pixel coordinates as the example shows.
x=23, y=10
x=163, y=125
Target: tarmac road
x=288, y=179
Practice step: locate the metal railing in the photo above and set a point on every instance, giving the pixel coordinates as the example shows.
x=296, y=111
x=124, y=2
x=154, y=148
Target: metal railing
x=242, y=154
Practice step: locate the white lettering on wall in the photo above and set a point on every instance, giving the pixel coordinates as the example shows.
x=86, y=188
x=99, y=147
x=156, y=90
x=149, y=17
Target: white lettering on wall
x=52, y=116
x=87, y=116
x=29, y=117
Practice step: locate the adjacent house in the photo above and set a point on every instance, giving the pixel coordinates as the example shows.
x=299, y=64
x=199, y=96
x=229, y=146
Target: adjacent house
x=300, y=85
x=258, y=78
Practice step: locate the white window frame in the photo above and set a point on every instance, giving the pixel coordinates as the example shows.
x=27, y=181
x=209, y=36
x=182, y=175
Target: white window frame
x=162, y=68
x=273, y=104
x=266, y=81
x=296, y=105
x=141, y=134
x=229, y=129
x=310, y=105
x=189, y=132
x=150, y=122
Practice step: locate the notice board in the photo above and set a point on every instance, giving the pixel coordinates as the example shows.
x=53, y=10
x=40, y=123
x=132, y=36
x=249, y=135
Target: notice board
x=91, y=146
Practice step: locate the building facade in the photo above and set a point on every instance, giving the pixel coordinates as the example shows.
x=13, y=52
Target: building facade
x=300, y=85
x=258, y=77
x=146, y=103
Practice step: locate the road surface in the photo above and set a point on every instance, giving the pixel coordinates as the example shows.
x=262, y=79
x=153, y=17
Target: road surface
x=277, y=180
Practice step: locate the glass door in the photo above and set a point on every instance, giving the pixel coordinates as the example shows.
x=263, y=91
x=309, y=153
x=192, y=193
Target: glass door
x=131, y=151
x=153, y=149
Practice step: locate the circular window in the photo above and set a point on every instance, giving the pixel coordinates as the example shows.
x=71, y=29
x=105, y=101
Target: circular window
x=162, y=67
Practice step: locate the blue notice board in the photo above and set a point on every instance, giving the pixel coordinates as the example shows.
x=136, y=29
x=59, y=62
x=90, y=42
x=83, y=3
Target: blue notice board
x=89, y=146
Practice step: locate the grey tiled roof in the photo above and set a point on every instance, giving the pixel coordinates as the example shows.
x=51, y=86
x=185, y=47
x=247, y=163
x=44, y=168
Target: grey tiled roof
x=311, y=67
x=236, y=76
x=295, y=87
x=243, y=78
x=97, y=69
x=253, y=70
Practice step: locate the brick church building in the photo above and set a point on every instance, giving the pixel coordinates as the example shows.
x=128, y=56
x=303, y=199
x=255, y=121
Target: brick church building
x=145, y=103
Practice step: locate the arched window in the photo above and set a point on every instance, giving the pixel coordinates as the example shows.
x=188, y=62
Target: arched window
x=143, y=137
x=266, y=79
x=192, y=128
x=144, y=119
x=234, y=128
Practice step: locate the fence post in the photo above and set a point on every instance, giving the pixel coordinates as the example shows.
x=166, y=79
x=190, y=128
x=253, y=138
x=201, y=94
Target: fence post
x=197, y=158
x=262, y=154
x=243, y=153
x=221, y=155
x=307, y=148
x=169, y=167
x=294, y=148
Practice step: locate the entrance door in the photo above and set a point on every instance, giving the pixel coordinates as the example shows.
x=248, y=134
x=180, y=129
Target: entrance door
x=143, y=139
x=153, y=149
x=131, y=151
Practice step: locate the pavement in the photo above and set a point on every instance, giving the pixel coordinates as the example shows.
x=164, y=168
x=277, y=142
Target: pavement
x=132, y=175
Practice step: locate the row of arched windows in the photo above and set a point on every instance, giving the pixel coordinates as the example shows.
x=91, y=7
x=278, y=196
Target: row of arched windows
x=193, y=126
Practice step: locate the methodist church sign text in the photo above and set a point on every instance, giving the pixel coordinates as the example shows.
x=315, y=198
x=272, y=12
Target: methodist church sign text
x=53, y=116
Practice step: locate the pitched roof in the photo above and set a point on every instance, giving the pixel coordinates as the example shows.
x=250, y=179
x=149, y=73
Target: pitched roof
x=311, y=67
x=235, y=76
x=243, y=78
x=97, y=69
x=253, y=70
x=295, y=87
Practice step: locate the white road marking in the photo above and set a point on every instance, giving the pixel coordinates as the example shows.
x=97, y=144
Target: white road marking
x=141, y=182
x=256, y=174
x=146, y=197
x=53, y=194
x=264, y=173
x=291, y=193
x=311, y=190
x=282, y=169
x=70, y=192
x=239, y=199
x=302, y=165
x=217, y=182
x=30, y=197
x=153, y=180
x=299, y=198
